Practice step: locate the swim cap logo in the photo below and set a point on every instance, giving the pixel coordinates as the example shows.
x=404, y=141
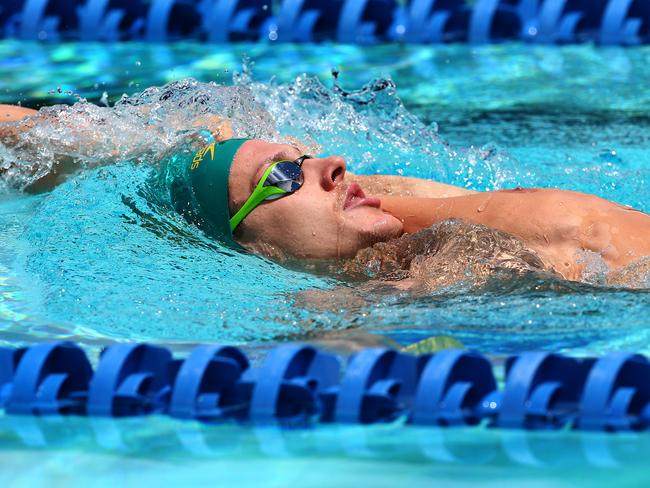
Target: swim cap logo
x=200, y=155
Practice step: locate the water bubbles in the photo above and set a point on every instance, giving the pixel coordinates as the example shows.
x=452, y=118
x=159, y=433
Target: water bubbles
x=595, y=269
x=273, y=32
x=485, y=168
x=352, y=123
x=609, y=156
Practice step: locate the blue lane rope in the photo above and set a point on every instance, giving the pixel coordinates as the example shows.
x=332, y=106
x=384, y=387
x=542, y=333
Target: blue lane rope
x=619, y=22
x=297, y=384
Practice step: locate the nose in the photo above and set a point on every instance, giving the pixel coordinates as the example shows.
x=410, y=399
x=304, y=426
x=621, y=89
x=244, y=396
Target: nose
x=331, y=169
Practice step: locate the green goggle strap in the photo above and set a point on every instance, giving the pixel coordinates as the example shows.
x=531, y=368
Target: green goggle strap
x=260, y=194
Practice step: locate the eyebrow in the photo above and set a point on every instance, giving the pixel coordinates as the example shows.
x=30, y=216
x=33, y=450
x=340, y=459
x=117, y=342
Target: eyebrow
x=279, y=156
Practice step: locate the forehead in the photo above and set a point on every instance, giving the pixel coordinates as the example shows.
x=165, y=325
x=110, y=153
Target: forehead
x=255, y=152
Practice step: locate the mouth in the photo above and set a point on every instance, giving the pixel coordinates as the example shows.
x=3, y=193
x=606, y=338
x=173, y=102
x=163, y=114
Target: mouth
x=354, y=197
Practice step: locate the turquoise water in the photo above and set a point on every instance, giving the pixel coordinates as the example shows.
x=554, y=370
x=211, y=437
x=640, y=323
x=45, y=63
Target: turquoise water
x=103, y=258
x=173, y=453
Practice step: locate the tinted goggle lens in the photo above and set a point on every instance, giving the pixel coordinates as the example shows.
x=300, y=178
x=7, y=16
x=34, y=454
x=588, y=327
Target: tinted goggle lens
x=286, y=175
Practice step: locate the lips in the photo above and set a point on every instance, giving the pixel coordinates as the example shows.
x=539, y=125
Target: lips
x=354, y=197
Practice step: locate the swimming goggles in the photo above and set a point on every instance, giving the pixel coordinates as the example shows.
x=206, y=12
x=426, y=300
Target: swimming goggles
x=280, y=179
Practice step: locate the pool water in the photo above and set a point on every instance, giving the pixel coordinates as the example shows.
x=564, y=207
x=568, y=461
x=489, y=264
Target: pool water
x=103, y=258
x=84, y=452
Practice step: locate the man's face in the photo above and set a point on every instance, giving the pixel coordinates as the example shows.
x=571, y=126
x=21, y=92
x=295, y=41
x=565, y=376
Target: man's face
x=326, y=218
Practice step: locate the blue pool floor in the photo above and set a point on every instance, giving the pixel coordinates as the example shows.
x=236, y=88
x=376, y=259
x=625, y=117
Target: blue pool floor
x=85, y=452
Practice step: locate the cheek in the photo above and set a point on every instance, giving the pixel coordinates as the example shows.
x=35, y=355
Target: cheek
x=311, y=226
x=292, y=223
x=312, y=209
x=311, y=220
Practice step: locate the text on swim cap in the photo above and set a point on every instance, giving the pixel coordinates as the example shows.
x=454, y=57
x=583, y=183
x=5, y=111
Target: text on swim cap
x=200, y=155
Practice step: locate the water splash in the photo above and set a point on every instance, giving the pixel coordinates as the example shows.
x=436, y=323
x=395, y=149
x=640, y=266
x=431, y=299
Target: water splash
x=138, y=129
x=447, y=254
x=369, y=126
x=110, y=255
x=375, y=132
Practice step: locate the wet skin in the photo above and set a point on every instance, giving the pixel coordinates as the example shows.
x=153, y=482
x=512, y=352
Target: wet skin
x=558, y=225
x=13, y=113
x=318, y=221
x=329, y=217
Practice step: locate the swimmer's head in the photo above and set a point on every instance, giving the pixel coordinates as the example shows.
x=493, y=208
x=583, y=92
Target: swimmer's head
x=209, y=172
x=326, y=218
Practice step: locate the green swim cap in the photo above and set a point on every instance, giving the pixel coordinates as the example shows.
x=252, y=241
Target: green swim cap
x=210, y=169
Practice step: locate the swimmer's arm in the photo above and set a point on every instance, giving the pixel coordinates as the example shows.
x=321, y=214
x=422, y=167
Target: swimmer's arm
x=418, y=213
x=14, y=113
x=536, y=216
x=381, y=185
x=14, y=121
x=219, y=127
x=65, y=165
x=20, y=119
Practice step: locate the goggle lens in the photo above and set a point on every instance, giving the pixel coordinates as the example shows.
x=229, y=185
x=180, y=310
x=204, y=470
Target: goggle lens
x=286, y=175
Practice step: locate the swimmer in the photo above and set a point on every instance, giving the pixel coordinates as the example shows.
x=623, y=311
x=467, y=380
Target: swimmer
x=274, y=200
